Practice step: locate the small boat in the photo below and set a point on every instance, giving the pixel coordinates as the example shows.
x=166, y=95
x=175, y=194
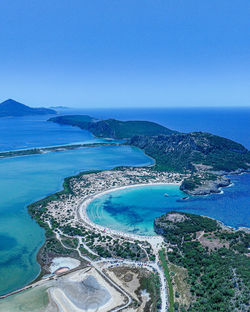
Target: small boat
x=166, y=195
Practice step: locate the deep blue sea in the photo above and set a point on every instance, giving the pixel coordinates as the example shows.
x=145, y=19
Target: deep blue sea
x=29, y=178
x=232, y=123
x=35, y=131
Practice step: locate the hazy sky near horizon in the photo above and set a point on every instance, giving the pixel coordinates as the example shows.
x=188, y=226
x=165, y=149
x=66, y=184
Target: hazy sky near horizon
x=133, y=53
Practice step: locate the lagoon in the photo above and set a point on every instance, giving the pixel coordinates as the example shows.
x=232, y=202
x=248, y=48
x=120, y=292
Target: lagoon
x=26, y=179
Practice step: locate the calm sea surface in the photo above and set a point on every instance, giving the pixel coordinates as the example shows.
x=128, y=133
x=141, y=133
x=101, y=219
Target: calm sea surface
x=133, y=210
x=35, y=131
x=232, y=123
x=26, y=179
x=29, y=178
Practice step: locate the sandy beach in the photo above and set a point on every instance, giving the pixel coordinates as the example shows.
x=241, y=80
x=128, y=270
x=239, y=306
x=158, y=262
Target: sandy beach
x=84, y=216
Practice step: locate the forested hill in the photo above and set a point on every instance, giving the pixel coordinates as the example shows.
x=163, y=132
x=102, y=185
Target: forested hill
x=183, y=152
x=205, y=156
x=112, y=128
x=11, y=108
x=215, y=258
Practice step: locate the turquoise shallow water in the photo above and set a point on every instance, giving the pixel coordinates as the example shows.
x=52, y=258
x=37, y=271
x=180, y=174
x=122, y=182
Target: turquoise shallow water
x=26, y=179
x=134, y=209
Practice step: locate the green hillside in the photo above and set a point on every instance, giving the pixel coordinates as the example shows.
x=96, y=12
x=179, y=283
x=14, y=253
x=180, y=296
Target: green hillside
x=204, y=155
x=182, y=152
x=80, y=121
x=112, y=128
x=215, y=259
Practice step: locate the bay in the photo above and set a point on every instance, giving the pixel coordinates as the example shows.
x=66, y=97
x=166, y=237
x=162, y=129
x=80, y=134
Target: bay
x=133, y=210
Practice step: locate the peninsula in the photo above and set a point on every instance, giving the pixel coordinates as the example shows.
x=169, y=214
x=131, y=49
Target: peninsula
x=11, y=108
x=112, y=128
x=204, y=157
x=194, y=263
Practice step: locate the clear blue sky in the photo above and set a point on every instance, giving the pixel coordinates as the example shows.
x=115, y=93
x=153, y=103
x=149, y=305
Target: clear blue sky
x=111, y=53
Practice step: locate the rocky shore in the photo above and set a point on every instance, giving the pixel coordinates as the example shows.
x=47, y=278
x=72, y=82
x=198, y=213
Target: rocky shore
x=208, y=182
x=207, y=187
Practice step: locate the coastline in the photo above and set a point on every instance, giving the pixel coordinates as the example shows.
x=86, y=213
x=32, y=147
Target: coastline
x=68, y=191
x=82, y=211
x=83, y=206
x=56, y=148
x=83, y=215
x=155, y=240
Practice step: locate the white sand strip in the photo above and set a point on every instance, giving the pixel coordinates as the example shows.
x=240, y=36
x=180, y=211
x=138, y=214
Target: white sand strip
x=82, y=209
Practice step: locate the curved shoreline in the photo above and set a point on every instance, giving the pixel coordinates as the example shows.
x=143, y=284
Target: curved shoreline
x=83, y=215
x=82, y=212
x=153, y=239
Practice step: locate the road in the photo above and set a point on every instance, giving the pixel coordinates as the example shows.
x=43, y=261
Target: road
x=152, y=266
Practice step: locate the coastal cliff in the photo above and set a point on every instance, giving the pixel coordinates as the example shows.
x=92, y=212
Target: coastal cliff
x=204, y=186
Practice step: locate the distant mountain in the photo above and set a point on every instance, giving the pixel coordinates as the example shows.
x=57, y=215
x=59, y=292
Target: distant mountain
x=11, y=108
x=112, y=128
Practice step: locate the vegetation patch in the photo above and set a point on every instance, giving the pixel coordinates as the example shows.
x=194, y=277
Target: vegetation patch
x=168, y=278
x=112, y=128
x=182, y=294
x=69, y=242
x=151, y=283
x=219, y=277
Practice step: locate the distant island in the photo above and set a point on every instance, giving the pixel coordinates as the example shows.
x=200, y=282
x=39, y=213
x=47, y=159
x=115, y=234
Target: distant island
x=205, y=158
x=11, y=108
